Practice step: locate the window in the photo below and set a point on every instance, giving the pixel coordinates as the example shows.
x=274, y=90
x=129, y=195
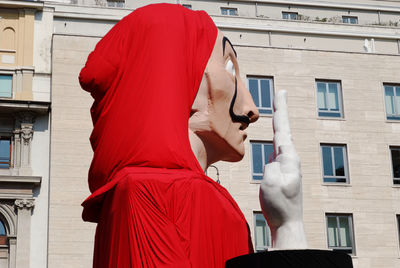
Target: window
x=5, y=152
x=398, y=226
x=262, y=92
x=187, y=6
x=340, y=232
x=229, y=11
x=261, y=153
x=329, y=99
x=350, y=19
x=290, y=15
x=5, y=86
x=395, y=155
x=392, y=102
x=334, y=159
x=115, y=3
x=262, y=233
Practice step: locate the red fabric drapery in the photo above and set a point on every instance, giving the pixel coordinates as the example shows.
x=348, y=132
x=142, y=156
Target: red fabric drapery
x=153, y=204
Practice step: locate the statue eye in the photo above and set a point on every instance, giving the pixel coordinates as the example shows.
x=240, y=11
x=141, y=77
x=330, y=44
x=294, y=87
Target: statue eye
x=230, y=67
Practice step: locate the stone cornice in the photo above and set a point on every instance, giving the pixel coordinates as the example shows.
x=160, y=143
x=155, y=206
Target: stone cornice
x=298, y=30
x=21, y=105
x=18, y=187
x=326, y=4
x=22, y=4
x=33, y=180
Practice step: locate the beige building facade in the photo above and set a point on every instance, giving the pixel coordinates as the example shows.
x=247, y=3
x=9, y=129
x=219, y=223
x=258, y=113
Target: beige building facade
x=338, y=60
x=24, y=135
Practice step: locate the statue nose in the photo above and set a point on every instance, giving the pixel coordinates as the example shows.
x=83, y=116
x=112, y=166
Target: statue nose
x=249, y=108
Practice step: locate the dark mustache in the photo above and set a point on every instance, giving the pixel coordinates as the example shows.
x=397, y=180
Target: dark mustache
x=235, y=117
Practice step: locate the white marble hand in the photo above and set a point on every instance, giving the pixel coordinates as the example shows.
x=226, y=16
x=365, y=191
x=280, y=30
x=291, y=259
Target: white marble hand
x=280, y=189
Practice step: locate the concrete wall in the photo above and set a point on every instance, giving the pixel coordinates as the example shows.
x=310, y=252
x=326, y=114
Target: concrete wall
x=70, y=239
x=40, y=167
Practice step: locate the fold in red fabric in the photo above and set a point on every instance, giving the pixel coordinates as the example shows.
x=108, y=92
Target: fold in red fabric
x=152, y=202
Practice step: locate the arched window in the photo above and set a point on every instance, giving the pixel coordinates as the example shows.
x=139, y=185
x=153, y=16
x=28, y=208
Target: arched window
x=7, y=40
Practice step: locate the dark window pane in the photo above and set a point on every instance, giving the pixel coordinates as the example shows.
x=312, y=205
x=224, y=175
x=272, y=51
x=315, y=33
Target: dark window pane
x=389, y=100
x=321, y=96
x=257, y=158
x=265, y=111
x=232, y=12
x=2, y=228
x=4, y=153
x=333, y=97
x=340, y=179
x=330, y=179
x=396, y=162
x=257, y=177
x=265, y=93
x=262, y=235
x=332, y=232
x=260, y=230
x=253, y=87
x=268, y=153
x=397, y=101
x=329, y=114
x=398, y=226
x=339, y=161
x=344, y=231
x=327, y=161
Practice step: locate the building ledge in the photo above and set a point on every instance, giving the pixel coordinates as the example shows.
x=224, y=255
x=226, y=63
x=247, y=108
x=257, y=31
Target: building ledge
x=13, y=187
x=326, y=4
x=22, y=4
x=10, y=105
x=34, y=180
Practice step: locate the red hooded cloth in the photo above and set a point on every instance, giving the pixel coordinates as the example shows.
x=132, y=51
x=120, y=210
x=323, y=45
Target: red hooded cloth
x=152, y=202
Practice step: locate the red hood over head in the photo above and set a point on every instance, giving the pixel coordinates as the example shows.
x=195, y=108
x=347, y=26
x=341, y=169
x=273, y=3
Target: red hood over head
x=144, y=75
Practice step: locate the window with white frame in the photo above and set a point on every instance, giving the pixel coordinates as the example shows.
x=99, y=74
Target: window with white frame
x=395, y=156
x=187, y=6
x=329, y=99
x=261, y=153
x=262, y=92
x=229, y=11
x=340, y=232
x=350, y=19
x=5, y=152
x=392, y=101
x=116, y=3
x=6, y=85
x=262, y=233
x=290, y=15
x=334, y=161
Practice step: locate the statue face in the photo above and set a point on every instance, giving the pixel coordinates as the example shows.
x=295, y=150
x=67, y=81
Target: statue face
x=223, y=107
